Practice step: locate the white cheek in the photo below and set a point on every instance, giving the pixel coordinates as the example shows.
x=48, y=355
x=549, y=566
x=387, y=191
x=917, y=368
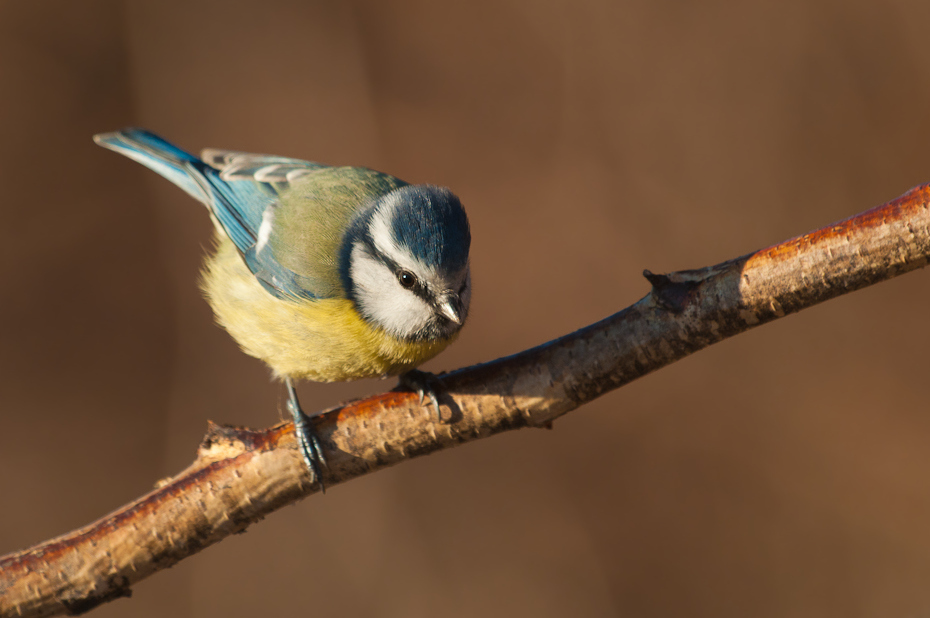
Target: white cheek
x=380, y=296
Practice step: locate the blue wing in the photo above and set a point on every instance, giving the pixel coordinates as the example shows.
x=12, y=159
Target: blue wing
x=240, y=190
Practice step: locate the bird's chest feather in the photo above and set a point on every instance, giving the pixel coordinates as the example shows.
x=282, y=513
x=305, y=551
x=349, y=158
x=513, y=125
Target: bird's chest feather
x=322, y=340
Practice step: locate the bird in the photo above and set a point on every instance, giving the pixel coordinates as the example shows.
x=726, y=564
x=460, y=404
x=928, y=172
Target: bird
x=325, y=273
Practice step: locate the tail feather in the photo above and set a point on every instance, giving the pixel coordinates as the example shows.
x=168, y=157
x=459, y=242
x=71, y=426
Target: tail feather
x=238, y=206
x=160, y=156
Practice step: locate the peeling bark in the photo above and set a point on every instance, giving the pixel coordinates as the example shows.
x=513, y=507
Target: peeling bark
x=241, y=475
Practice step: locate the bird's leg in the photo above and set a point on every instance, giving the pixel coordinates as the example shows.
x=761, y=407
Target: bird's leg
x=425, y=384
x=306, y=438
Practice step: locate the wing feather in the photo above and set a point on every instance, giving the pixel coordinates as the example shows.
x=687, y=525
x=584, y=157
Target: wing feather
x=241, y=190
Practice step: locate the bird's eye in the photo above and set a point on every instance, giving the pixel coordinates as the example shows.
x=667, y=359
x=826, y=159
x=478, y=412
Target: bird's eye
x=407, y=279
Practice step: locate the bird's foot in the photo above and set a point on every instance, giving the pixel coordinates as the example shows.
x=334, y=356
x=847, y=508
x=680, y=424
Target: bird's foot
x=425, y=384
x=307, y=439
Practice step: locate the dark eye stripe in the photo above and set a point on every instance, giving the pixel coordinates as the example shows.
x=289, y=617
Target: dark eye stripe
x=417, y=288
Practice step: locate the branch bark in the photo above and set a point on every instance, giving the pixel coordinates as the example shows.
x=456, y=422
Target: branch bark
x=241, y=475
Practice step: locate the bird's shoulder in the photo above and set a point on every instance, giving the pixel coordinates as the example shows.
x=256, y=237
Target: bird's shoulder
x=336, y=190
x=312, y=217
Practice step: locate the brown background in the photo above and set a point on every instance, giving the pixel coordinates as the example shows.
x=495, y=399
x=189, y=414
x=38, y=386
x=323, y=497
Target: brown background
x=782, y=473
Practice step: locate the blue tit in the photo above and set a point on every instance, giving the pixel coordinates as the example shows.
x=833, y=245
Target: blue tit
x=324, y=273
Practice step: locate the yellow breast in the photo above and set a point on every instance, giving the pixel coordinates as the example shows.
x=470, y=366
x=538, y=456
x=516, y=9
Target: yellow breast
x=321, y=340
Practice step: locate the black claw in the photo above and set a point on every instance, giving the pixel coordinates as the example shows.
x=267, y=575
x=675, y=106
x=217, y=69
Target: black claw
x=309, y=443
x=425, y=384
x=435, y=400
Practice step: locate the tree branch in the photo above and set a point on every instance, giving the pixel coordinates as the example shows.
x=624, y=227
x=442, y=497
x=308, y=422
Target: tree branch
x=241, y=475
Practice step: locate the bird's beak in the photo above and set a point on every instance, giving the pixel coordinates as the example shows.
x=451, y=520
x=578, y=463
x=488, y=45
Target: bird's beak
x=449, y=308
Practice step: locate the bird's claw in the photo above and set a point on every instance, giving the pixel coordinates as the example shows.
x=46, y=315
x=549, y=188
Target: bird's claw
x=307, y=440
x=425, y=384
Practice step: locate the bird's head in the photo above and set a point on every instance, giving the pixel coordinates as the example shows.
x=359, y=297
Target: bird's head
x=405, y=263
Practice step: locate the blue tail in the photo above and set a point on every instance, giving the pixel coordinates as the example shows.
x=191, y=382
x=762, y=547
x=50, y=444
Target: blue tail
x=156, y=154
x=237, y=205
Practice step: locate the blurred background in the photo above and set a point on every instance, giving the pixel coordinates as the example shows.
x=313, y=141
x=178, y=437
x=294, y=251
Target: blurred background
x=781, y=473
